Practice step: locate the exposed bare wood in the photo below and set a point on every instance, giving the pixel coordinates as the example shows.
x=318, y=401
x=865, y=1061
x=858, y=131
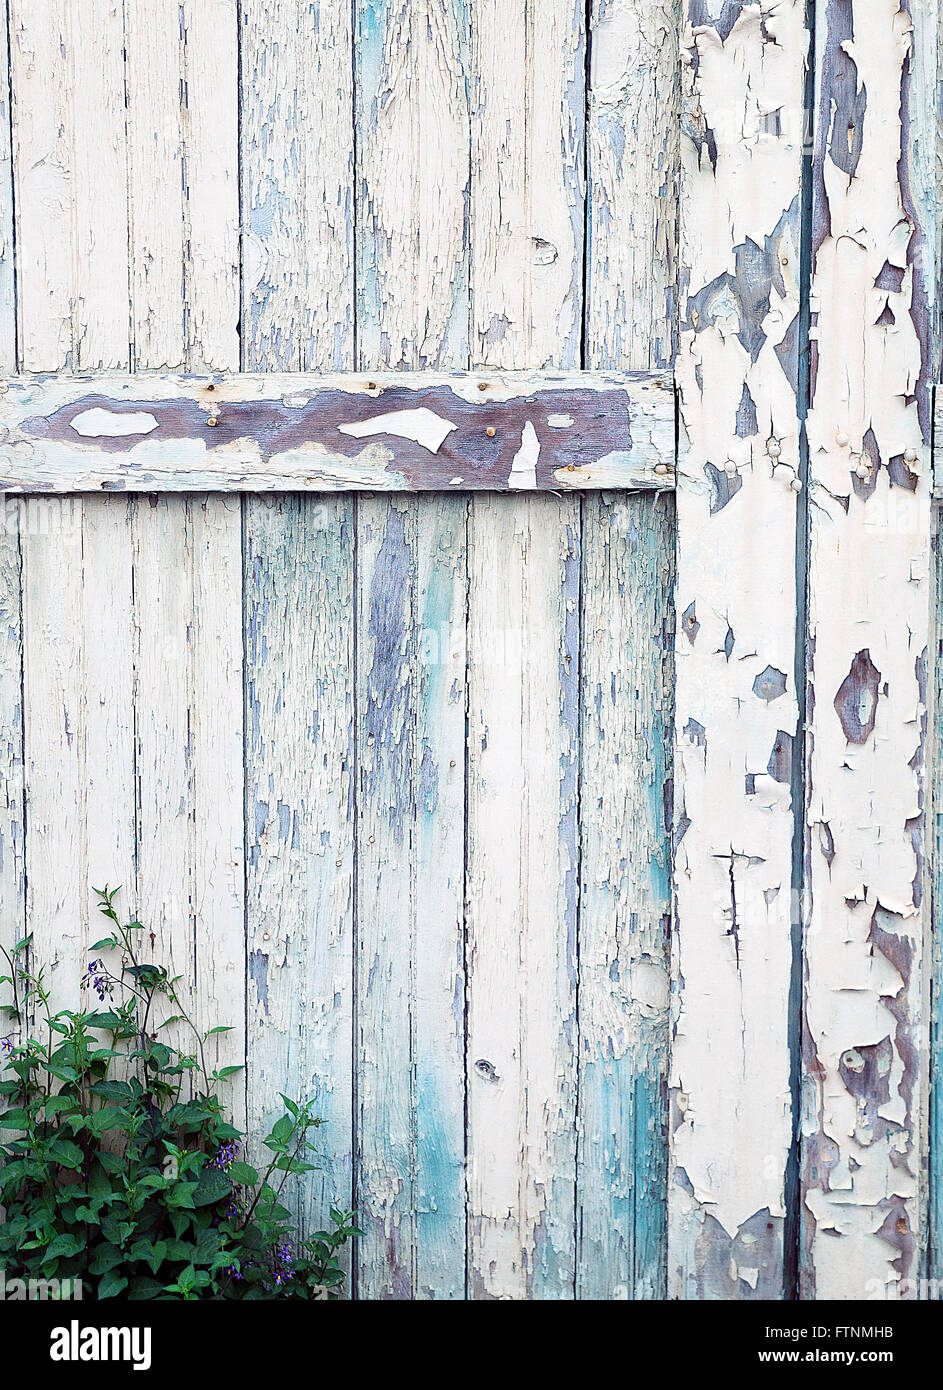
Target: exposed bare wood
x=395, y=432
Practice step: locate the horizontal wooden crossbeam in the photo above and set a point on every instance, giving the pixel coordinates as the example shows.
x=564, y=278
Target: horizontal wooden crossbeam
x=408, y=431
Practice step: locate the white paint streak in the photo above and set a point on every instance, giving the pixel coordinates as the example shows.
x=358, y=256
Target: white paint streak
x=422, y=426
x=95, y=424
x=523, y=472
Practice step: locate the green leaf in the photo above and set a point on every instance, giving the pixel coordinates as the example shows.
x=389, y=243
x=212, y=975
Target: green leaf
x=15, y=1119
x=106, y=1257
x=282, y=1130
x=110, y=1117
x=63, y=1247
x=212, y=1187
x=243, y=1173
x=143, y=1288
x=107, y=1018
x=65, y=1153
x=112, y=1284
x=56, y=1104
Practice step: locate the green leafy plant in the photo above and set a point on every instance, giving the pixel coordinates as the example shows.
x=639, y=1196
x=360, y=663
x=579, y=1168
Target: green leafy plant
x=118, y=1165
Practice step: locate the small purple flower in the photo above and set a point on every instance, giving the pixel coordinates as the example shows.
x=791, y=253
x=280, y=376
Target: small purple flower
x=6, y=1047
x=96, y=975
x=281, y=1263
x=225, y=1156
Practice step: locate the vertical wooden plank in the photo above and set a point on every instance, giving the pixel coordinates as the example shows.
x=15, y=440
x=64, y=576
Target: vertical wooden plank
x=632, y=169
x=72, y=231
x=627, y=585
x=928, y=74
x=299, y=825
x=182, y=157
x=626, y=592
x=523, y=701
x=869, y=466
x=934, y=1252
x=298, y=299
x=735, y=605
x=297, y=185
x=8, y=353
x=412, y=305
x=12, y=790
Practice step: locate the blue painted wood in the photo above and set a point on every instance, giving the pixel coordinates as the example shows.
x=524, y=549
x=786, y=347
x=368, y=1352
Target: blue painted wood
x=625, y=897
x=298, y=575
x=626, y=679
x=412, y=312
x=299, y=637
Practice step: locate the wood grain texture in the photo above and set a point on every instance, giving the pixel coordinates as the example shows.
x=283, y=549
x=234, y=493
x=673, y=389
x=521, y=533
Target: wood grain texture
x=412, y=312
x=300, y=828
x=632, y=189
x=298, y=596
x=71, y=209
x=735, y=605
x=526, y=207
x=933, y=1264
x=12, y=788
x=410, y=1016
x=396, y=433
x=925, y=178
x=869, y=436
x=182, y=161
x=297, y=161
x=626, y=591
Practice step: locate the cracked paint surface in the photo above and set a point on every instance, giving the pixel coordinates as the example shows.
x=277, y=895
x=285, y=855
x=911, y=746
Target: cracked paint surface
x=736, y=706
x=862, y=1128
x=400, y=432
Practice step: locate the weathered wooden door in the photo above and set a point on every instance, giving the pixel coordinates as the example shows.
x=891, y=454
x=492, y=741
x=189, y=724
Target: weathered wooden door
x=393, y=774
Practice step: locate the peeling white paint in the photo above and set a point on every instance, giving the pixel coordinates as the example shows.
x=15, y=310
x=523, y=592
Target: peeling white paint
x=735, y=606
x=99, y=423
x=422, y=426
x=863, y=1136
x=523, y=472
